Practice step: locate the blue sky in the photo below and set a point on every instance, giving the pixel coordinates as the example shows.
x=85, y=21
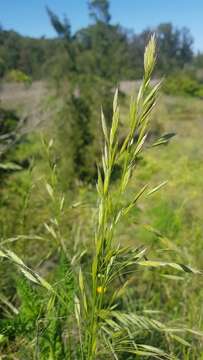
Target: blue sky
x=29, y=16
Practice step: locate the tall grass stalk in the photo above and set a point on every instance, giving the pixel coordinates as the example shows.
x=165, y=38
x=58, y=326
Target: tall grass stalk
x=107, y=264
x=112, y=261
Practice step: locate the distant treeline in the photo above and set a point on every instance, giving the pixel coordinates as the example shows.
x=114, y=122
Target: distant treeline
x=102, y=48
x=84, y=67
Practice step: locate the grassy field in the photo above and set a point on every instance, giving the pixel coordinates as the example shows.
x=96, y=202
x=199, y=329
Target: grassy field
x=176, y=212
x=169, y=223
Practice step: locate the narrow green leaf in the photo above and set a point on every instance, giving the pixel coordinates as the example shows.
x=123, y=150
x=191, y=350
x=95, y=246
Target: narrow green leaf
x=115, y=101
x=10, y=166
x=104, y=127
x=157, y=188
x=180, y=267
x=50, y=190
x=180, y=340
x=81, y=282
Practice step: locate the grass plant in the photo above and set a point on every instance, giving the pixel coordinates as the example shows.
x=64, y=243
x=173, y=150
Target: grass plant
x=95, y=283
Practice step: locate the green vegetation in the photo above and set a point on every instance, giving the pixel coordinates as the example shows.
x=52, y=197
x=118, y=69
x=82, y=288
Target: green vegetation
x=8, y=121
x=183, y=83
x=102, y=49
x=64, y=320
x=18, y=77
x=101, y=218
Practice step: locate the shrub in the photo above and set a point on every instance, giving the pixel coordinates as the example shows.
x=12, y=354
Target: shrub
x=8, y=121
x=76, y=124
x=2, y=67
x=18, y=76
x=182, y=83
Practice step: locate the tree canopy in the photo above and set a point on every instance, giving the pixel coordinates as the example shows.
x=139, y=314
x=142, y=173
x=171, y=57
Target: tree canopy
x=101, y=49
x=99, y=10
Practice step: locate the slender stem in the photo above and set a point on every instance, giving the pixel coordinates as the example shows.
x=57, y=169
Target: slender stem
x=97, y=298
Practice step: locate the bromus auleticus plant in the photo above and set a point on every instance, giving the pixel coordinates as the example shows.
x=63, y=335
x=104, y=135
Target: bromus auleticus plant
x=104, y=323
x=104, y=328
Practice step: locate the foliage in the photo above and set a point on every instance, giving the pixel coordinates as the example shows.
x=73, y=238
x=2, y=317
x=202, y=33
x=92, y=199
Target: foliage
x=91, y=294
x=25, y=54
x=99, y=10
x=100, y=39
x=76, y=121
x=102, y=49
x=183, y=83
x=175, y=46
x=8, y=121
x=62, y=28
x=36, y=318
x=95, y=280
x=18, y=76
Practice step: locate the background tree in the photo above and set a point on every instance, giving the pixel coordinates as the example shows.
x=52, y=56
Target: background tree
x=99, y=10
x=175, y=46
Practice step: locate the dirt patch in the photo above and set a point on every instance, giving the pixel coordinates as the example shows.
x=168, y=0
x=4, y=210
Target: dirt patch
x=128, y=87
x=27, y=101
